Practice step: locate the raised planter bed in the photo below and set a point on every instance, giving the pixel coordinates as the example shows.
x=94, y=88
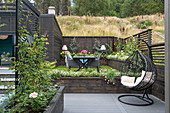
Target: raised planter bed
x=91, y=85
x=56, y=105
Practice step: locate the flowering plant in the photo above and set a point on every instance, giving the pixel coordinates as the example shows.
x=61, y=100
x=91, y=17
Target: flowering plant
x=110, y=75
x=33, y=95
x=83, y=52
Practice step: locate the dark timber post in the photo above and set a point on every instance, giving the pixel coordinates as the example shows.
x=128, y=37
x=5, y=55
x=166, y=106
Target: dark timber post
x=149, y=37
x=16, y=53
x=167, y=56
x=150, y=42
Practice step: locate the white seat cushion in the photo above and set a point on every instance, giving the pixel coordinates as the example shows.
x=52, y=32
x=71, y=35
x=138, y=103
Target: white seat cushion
x=130, y=81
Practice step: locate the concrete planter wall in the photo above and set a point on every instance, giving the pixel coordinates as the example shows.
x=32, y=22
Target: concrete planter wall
x=56, y=105
x=91, y=85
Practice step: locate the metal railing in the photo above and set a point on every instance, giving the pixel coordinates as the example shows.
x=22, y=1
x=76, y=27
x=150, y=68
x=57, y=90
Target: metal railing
x=157, y=51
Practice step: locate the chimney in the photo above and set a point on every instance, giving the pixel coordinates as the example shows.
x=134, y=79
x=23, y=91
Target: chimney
x=51, y=10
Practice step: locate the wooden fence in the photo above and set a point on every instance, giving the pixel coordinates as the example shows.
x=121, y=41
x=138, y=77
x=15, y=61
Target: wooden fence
x=87, y=42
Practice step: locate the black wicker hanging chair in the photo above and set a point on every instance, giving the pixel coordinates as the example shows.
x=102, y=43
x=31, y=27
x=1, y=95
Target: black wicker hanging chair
x=138, y=73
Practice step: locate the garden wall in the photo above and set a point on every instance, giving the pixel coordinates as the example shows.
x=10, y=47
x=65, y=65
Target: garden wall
x=50, y=27
x=158, y=89
x=91, y=85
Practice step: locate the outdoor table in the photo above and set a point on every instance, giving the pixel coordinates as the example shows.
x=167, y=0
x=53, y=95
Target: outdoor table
x=83, y=64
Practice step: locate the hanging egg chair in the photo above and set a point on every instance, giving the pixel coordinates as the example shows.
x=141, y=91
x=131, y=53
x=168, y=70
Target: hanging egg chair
x=138, y=73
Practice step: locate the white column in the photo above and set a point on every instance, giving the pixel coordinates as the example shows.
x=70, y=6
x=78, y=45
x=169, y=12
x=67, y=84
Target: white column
x=167, y=56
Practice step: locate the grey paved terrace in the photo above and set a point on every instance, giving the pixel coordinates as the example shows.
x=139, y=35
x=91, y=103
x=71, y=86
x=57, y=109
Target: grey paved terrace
x=106, y=103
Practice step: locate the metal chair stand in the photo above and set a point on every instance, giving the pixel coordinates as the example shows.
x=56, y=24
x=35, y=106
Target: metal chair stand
x=145, y=98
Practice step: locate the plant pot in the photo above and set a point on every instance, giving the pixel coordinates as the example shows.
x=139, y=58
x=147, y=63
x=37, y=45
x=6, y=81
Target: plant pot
x=56, y=105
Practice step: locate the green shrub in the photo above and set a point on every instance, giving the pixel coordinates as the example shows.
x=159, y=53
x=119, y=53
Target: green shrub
x=144, y=24
x=74, y=45
x=97, y=45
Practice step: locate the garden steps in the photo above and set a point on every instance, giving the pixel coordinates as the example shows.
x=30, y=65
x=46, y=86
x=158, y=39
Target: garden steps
x=7, y=78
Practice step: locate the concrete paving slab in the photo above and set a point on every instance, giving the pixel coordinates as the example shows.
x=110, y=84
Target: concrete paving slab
x=106, y=103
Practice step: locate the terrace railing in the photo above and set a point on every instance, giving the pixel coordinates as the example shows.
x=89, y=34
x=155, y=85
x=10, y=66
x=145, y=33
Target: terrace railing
x=157, y=53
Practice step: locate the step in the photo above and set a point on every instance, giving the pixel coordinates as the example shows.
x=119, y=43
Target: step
x=7, y=75
x=7, y=79
x=4, y=87
x=6, y=71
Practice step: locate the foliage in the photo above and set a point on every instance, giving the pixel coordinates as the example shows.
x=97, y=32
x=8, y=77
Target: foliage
x=74, y=45
x=97, y=45
x=62, y=71
x=110, y=49
x=118, y=56
x=119, y=45
x=63, y=54
x=1, y=25
x=65, y=4
x=124, y=50
x=120, y=8
x=141, y=7
x=144, y=24
x=72, y=54
x=131, y=46
x=7, y=57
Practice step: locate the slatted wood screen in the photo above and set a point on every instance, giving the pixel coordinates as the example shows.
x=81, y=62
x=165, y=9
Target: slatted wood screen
x=158, y=53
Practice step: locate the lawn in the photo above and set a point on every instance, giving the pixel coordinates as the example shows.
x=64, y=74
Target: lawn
x=105, y=71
